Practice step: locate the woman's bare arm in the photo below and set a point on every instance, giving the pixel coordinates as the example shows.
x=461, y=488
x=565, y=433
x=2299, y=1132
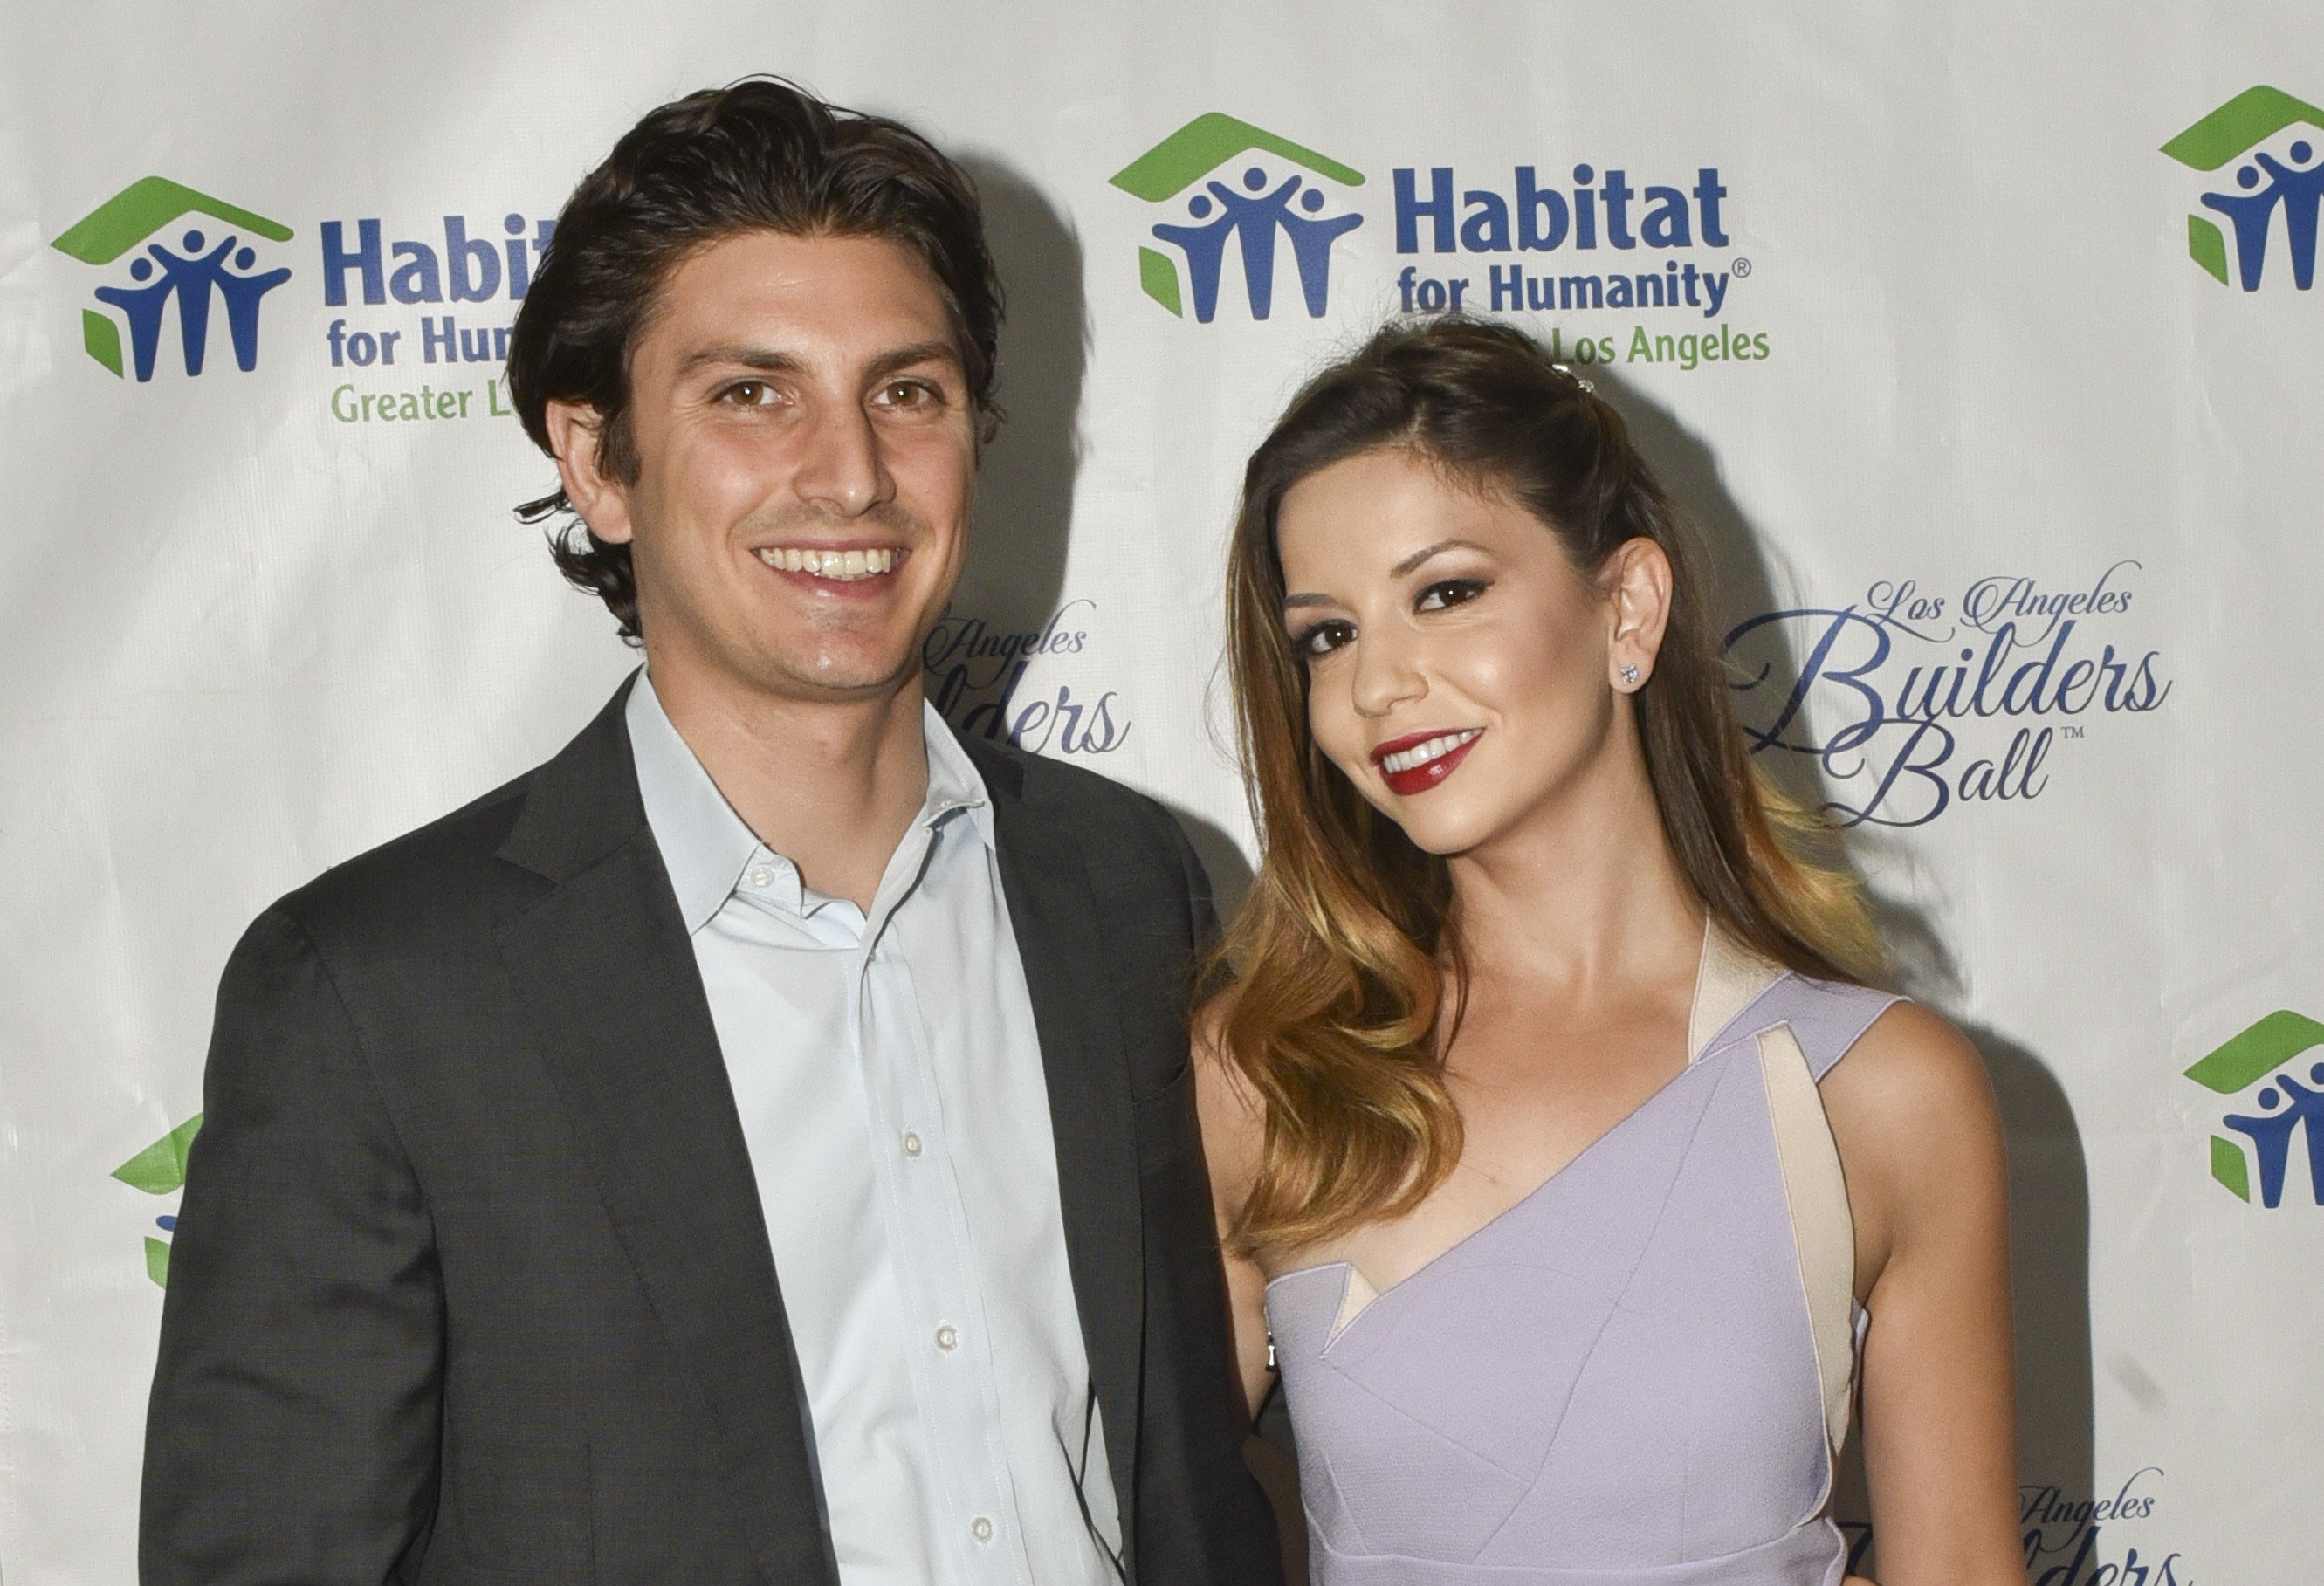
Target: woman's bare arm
x=1233, y=1132
x=1921, y=1141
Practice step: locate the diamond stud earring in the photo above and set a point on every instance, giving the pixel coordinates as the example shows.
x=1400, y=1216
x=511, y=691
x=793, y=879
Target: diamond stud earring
x=1629, y=673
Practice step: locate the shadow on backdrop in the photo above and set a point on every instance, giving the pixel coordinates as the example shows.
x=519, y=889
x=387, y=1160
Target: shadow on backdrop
x=2049, y=1186
x=1016, y=573
x=1015, y=570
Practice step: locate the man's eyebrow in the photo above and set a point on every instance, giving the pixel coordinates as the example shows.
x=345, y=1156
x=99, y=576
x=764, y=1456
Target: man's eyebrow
x=774, y=361
x=768, y=359
x=919, y=352
x=1426, y=551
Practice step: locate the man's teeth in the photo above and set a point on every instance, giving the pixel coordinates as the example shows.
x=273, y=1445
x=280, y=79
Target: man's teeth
x=840, y=565
x=1421, y=754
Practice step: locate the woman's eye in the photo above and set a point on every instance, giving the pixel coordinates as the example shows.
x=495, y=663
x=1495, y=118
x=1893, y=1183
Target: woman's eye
x=1324, y=638
x=1449, y=592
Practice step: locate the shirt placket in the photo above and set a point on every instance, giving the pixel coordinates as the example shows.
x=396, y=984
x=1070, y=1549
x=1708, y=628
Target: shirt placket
x=953, y=1369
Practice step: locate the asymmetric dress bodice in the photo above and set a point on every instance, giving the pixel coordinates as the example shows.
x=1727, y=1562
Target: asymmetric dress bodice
x=1637, y=1376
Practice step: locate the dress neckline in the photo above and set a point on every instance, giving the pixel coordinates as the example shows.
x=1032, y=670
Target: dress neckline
x=1728, y=980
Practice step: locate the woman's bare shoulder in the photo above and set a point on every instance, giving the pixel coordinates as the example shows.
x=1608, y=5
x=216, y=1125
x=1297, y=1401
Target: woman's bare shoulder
x=1910, y=1058
x=1912, y=1112
x=1910, y=1072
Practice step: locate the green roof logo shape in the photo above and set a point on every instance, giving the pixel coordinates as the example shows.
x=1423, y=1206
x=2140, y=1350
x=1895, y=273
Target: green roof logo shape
x=160, y=1169
x=2227, y=134
x=1208, y=141
x=144, y=208
x=136, y=214
x=2240, y=126
x=2264, y=1051
x=1244, y=211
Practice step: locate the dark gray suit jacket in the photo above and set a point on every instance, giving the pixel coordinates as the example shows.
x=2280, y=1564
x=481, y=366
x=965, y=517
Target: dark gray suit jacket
x=471, y=1282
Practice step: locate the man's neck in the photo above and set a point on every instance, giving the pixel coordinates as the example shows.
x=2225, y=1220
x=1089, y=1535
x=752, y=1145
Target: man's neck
x=832, y=786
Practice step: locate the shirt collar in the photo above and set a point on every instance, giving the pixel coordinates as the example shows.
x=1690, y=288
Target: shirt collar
x=955, y=786
x=705, y=846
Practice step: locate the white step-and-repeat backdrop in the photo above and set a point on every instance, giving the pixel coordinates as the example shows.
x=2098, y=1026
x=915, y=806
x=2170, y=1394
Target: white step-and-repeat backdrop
x=1981, y=339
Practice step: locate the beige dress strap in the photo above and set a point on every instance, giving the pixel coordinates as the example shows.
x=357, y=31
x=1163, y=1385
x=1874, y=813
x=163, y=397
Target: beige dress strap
x=1727, y=981
x=1822, y=1230
x=1815, y=1189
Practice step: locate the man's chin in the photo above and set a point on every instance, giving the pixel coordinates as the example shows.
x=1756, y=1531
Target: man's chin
x=840, y=680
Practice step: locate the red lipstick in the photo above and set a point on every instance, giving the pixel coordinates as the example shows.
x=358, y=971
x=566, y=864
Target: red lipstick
x=1418, y=761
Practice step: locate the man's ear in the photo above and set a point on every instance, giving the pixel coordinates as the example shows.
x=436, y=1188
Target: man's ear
x=576, y=432
x=1640, y=600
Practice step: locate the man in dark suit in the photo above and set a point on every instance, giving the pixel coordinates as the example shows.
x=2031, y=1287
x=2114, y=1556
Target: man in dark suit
x=756, y=1144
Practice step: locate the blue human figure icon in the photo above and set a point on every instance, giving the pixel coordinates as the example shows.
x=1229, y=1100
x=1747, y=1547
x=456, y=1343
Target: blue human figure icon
x=2308, y=1106
x=194, y=277
x=1205, y=249
x=2270, y=1133
x=2251, y=214
x=2301, y=185
x=1255, y=223
x=242, y=293
x=1310, y=247
x=144, y=306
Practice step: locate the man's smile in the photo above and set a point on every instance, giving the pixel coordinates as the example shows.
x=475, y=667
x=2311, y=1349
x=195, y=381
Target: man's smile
x=835, y=564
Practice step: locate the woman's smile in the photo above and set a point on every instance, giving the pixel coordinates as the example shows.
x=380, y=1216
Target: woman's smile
x=1418, y=761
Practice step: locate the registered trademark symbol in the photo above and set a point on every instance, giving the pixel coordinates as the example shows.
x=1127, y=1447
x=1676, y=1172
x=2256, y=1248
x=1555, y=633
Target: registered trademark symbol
x=1741, y=266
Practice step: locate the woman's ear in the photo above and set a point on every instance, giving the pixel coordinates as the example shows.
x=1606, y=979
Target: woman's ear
x=1638, y=607
x=576, y=433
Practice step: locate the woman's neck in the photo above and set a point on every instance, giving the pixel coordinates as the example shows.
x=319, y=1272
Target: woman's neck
x=1581, y=894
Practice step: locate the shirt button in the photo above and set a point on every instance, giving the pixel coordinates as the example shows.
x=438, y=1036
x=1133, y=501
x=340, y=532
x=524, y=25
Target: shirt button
x=947, y=1338
x=981, y=1528
x=762, y=877
x=911, y=1144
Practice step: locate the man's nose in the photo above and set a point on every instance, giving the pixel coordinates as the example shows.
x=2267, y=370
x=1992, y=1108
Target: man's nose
x=842, y=469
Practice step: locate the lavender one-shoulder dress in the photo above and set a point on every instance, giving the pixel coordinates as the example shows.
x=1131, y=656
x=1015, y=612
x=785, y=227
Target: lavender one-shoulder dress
x=1639, y=1375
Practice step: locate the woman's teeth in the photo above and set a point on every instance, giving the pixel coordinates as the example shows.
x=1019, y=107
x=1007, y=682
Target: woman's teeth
x=1421, y=754
x=841, y=566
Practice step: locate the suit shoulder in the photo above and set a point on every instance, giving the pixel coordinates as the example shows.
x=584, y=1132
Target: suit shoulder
x=1119, y=814
x=417, y=878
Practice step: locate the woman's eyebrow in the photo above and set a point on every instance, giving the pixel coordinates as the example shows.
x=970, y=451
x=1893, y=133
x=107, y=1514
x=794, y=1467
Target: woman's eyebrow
x=1425, y=551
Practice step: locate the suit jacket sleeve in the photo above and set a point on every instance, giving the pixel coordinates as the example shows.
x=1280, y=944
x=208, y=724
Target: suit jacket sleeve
x=293, y=1430
x=1200, y=904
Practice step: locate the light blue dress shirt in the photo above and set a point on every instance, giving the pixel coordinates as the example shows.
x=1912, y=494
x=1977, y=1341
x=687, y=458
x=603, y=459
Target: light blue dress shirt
x=889, y=1081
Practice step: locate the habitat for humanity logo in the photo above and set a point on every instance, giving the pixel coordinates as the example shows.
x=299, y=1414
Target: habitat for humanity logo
x=1253, y=207
x=2262, y=131
x=2267, y=1051
x=225, y=271
x=1519, y=238
x=160, y=1169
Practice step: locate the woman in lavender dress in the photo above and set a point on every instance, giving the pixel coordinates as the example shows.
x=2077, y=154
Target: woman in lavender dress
x=1570, y=1173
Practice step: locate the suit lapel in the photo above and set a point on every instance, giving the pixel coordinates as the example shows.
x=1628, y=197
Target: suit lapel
x=1061, y=941
x=608, y=981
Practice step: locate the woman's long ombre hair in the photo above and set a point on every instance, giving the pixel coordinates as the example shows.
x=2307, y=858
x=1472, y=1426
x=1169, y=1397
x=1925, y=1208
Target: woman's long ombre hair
x=1341, y=976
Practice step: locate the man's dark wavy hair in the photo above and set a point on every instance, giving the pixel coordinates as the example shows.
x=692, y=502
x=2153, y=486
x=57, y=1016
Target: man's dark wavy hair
x=760, y=155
